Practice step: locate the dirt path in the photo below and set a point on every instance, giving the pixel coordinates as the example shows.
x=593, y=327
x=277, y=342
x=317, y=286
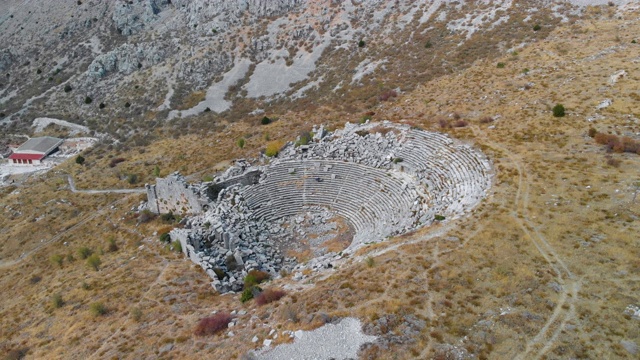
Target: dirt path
x=72, y=187
x=564, y=310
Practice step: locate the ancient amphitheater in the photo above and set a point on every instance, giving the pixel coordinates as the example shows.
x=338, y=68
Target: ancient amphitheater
x=327, y=198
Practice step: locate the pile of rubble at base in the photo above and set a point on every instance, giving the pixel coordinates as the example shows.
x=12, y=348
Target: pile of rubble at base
x=383, y=179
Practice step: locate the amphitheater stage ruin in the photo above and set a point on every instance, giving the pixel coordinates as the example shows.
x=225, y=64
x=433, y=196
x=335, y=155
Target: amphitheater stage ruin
x=319, y=200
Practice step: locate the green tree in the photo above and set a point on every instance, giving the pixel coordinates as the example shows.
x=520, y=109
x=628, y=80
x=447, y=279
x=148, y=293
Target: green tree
x=361, y=43
x=558, y=110
x=79, y=159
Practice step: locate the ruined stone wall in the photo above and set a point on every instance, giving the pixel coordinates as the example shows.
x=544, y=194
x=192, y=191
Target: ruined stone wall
x=172, y=194
x=249, y=178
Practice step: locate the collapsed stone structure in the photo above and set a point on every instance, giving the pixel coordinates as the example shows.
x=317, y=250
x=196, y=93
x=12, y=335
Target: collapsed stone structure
x=173, y=194
x=382, y=179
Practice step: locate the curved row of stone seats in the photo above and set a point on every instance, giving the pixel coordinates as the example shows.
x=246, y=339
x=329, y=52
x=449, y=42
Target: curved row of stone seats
x=456, y=171
x=372, y=200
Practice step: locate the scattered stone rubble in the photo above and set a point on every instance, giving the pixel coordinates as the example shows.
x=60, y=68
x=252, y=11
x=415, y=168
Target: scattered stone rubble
x=383, y=179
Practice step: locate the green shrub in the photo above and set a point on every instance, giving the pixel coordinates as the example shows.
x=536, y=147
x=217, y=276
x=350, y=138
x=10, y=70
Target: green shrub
x=84, y=252
x=501, y=65
x=558, y=110
x=370, y=261
x=112, y=247
x=156, y=171
x=127, y=104
x=70, y=258
x=80, y=159
x=273, y=148
x=428, y=45
x=247, y=295
x=88, y=100
x=102, y=105
x=265, y=121
x=67, y=88
x=136, y=314
x=537, y=27
x=240, y=143
x=56, y=259
x=361, y=43
x=397, y=160
x=165, y=238
x=439, y=217
x=94, y=262
x=255, y=277
x=168, y=217
x=219, y=273
x=97, y=309
x=57, y=301
x=305, y=138
x=176, y=246
x=132, y=179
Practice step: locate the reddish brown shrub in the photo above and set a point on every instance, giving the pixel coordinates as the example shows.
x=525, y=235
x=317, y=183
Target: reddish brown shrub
x=387, y=95
x=444, y=123
x=629, y=145
x=617, y=144
x=212, y=325
x=255, y=277
x=460, y=123
x=116, y=161
x=486, y=120
x=613, y=162
x=269, y=295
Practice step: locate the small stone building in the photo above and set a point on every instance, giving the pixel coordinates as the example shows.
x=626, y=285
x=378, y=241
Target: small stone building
x=35, y=150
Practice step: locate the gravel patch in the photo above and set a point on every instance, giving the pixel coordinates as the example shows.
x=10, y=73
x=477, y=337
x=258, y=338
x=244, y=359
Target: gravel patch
x=331, y=341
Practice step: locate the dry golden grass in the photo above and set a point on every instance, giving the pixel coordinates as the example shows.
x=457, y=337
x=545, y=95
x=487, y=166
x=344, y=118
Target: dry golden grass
x=543, y=267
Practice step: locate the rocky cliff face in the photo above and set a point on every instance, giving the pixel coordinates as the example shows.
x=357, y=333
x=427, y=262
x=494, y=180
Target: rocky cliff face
x=154, y=54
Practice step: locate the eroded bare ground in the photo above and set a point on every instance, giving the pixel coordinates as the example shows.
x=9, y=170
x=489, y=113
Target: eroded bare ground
x=542, y=268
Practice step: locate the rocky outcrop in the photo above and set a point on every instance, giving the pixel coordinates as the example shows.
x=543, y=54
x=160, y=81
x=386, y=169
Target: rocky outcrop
x=126, y=59
x=6, y=59
x=131, y=18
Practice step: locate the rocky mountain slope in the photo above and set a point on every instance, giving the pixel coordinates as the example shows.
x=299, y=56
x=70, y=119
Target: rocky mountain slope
x=126, y=67
x=545, y=267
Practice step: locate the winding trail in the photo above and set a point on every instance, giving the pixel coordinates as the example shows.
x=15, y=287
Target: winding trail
x=564, y=310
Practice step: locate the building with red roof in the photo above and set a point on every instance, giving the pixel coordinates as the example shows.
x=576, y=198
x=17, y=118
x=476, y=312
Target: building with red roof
x=35, y=150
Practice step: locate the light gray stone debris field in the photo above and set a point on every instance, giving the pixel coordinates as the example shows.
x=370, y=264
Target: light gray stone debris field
x=381, y=179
